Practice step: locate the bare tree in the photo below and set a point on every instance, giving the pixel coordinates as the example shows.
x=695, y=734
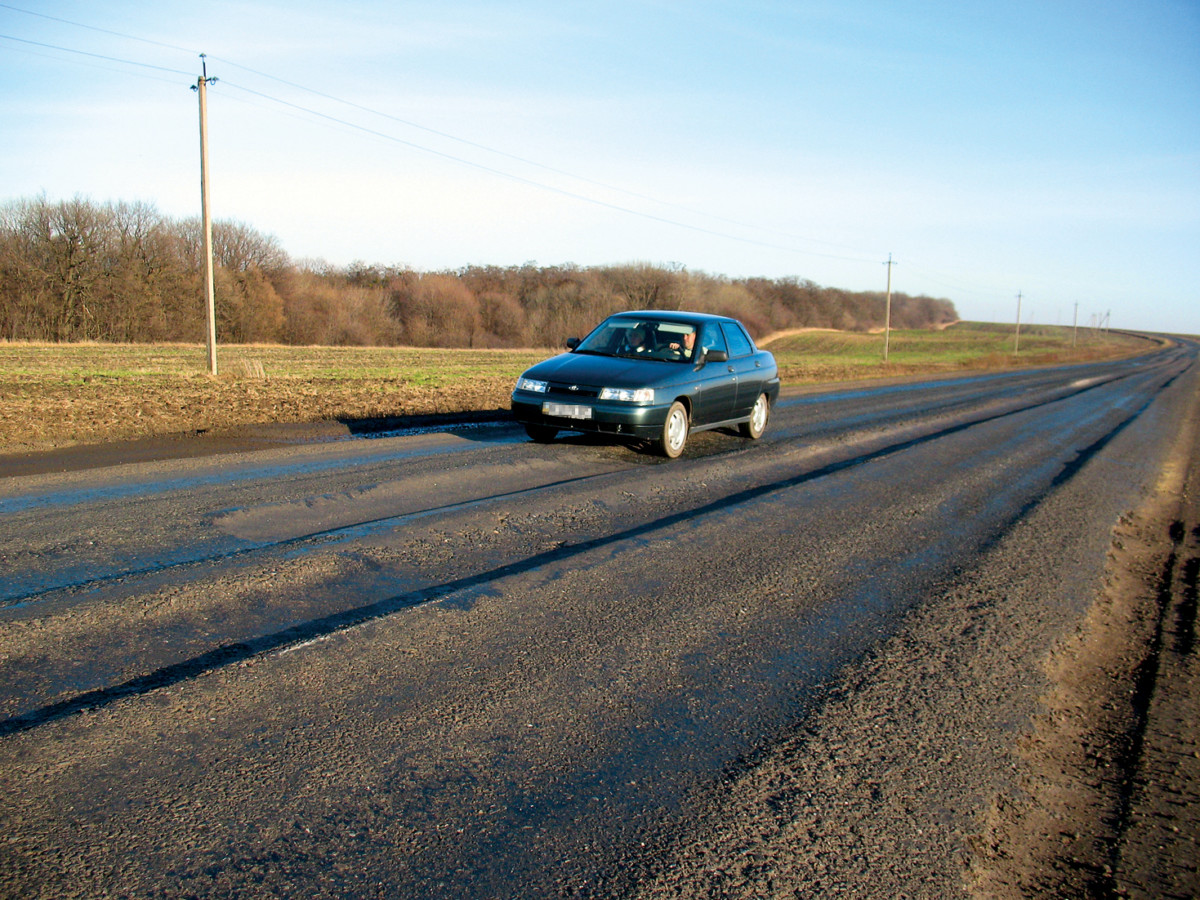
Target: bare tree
x=79, y=270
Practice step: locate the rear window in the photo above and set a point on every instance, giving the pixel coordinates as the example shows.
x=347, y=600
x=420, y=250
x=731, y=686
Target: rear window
x=739, y=343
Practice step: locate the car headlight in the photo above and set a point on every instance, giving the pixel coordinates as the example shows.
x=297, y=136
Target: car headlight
x=532, y=384
x=629, y=395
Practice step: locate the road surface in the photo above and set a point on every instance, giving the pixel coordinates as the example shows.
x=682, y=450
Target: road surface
x=458, y=663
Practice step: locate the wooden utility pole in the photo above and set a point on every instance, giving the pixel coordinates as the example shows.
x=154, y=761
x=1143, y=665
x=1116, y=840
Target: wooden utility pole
x=210, y=291
x=887, y=314
x=1017, y=341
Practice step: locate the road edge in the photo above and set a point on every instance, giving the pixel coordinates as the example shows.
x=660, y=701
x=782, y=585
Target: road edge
x=1107, y=796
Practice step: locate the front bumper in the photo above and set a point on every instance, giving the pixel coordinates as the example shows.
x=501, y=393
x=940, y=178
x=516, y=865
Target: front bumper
x=642, y=421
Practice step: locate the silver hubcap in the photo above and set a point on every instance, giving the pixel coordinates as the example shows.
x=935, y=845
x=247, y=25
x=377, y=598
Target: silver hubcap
x=676, y=430
x=758, y=418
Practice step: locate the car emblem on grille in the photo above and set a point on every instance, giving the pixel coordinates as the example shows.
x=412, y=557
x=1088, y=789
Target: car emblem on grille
x=574, y=387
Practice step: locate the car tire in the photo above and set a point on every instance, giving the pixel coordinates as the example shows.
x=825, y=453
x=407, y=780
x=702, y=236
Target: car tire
x=674, y=431
x=758, y=419
x=543, y=434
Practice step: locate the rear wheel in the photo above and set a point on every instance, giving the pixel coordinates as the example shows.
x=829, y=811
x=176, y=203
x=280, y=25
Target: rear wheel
x=543, y=434
x=758, y=418
x=674, y=431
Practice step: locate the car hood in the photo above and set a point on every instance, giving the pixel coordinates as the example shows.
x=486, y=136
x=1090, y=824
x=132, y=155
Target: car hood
x=606, y=371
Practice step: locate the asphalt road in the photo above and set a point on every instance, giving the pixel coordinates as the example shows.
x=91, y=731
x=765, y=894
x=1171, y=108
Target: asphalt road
x=459, y=663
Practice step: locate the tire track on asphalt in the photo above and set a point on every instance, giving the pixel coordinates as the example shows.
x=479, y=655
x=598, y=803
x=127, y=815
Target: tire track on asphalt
x=263, y=550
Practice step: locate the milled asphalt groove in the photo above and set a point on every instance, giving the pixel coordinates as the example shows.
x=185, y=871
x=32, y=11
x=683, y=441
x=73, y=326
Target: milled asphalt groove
x=326, y=626
x=1072, y=467
x=329, y=535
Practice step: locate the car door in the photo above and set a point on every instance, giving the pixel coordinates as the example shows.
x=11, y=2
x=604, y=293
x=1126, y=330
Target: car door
x=746, y=367
x=716, y=393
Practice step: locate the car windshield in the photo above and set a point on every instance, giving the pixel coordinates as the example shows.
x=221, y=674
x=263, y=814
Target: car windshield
x=638, y=338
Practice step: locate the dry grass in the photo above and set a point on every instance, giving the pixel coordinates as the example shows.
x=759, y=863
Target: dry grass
x=55, y=395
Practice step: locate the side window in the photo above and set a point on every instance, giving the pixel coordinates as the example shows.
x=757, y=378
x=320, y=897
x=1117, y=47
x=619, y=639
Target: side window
x=711, y=339
x=739, y=344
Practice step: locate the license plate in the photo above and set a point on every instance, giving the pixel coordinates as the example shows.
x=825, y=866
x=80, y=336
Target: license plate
x=566, y=411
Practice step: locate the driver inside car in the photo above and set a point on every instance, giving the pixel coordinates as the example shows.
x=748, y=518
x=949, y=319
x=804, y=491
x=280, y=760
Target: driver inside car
x=683, y=347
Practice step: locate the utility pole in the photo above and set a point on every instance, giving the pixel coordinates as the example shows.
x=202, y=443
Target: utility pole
x=200, y=88
x=1075, y=326
x=1017, y=341
x=887, y=315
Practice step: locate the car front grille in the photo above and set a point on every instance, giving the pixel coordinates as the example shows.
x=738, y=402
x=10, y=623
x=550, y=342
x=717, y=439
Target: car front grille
x=572, y=390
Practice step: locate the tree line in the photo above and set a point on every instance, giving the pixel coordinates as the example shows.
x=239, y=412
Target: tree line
x=78, y=270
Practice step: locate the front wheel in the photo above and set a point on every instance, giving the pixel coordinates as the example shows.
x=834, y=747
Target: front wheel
x=674, y=431
x=758, y=419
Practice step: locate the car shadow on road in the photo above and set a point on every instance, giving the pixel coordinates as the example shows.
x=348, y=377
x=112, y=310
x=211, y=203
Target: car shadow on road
x=471, y=424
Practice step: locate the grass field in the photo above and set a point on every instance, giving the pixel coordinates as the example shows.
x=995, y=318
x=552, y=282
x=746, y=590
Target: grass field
x=60, y=394
x=837, y=355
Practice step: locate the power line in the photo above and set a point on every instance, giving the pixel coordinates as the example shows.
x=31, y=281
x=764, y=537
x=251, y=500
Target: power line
x=958, y=286
x=406, y=122
x=863, y=257
x=529, y=181
x=526, y=161
x=131, y=37
x=116, y=59
x=98, y=65
x=478, y=146
x=449, y=156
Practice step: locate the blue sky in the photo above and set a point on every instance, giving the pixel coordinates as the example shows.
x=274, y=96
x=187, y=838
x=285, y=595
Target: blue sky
x=1050, y=148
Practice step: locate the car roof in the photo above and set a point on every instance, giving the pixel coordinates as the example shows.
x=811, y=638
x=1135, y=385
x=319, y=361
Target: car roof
x=678, y=315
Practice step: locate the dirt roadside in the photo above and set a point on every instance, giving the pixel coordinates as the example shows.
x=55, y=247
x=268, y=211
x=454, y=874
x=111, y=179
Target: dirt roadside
x=1108, y=801
x=193, y=416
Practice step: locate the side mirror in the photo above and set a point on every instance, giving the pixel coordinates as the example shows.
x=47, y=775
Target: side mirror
x=572, y=343
x=715, y=355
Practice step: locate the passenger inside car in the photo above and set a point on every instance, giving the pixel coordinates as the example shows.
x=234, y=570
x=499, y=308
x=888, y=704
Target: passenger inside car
x=637, y=340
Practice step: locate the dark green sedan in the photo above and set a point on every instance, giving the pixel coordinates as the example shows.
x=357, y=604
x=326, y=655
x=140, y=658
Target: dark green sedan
x=651, y=376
